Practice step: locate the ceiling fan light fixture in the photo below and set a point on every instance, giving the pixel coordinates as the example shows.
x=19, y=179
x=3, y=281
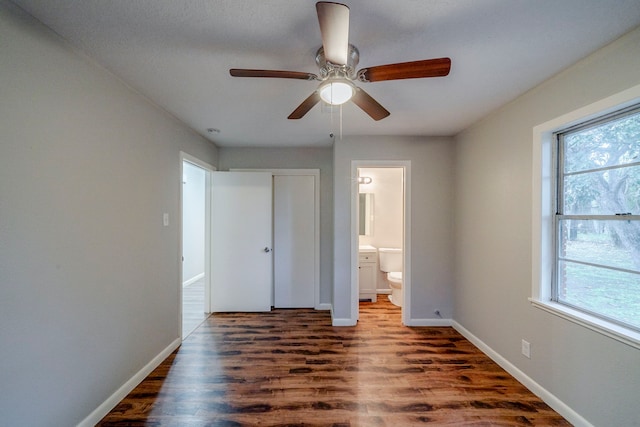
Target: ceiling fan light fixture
x=336, y=92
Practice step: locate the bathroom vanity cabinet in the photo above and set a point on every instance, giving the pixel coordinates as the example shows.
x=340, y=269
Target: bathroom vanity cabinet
x=367, y=273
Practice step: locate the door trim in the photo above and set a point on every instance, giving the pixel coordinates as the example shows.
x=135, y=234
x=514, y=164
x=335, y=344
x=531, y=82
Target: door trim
x=185, y=157
x=406, y=242
x=316, y=178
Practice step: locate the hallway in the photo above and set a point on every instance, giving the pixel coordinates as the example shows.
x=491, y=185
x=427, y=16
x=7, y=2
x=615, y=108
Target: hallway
x=193, y=307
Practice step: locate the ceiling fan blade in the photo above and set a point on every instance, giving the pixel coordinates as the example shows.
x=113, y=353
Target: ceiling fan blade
x=438, y=67
x=334, y=29
x=369, y=105
x=306, y=105
x=241, y=72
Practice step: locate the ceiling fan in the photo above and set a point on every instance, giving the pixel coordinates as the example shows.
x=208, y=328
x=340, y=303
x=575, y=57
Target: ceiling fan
x=337, y=59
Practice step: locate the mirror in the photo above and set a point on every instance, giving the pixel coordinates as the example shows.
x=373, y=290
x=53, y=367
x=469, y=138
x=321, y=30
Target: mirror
x=365, y=214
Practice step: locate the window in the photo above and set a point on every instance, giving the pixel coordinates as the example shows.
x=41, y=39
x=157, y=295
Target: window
x=596, y=227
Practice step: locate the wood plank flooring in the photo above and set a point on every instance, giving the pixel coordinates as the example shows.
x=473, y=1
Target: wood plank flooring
x=292, y=368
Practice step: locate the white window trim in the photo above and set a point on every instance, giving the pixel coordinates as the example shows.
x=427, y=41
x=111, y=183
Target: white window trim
x=543, y=212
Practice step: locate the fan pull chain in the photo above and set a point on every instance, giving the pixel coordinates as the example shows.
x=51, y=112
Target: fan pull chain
x=340, y=122
x=331, y=114
x=332, y=109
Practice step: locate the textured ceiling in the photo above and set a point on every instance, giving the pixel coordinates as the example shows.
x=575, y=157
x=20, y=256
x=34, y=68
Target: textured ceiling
x=178, y=53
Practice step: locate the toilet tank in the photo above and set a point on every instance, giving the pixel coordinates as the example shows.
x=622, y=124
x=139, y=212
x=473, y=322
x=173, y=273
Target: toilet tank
x=390, y=259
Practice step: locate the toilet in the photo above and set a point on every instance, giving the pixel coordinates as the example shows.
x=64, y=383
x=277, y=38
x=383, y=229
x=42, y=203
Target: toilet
x=391, y=263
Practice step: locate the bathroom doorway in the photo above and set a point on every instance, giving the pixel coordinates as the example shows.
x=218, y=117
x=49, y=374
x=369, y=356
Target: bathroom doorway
x=195, y=243
x=381, y=219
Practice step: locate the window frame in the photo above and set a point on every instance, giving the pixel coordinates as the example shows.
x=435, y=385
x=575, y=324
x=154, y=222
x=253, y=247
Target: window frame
x=559, y=201
x=544, y=206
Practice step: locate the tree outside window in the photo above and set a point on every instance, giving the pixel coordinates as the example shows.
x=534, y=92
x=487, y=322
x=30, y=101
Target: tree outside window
x=598, y=218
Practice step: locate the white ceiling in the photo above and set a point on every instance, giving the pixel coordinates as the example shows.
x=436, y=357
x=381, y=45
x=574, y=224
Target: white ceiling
x=178, y=54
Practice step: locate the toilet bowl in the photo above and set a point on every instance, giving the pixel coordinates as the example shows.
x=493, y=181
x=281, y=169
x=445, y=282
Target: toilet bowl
x=395, y=283
x=391, y=264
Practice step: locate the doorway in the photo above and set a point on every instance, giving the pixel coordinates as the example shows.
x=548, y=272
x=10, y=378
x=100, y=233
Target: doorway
x=194, y=243
x=380, y=211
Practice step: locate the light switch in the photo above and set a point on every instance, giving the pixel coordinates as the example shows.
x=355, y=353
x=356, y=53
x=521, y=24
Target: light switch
x=165, y=219
x=526, y=349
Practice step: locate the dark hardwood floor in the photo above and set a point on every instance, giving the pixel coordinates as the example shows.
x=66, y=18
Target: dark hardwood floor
x=292, y=368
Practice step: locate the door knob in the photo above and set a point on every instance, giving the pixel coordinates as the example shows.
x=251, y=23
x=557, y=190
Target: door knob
x=266, y=249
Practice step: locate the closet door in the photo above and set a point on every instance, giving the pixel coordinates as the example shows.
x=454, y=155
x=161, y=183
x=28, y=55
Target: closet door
x=294, y=241
x=241, y=257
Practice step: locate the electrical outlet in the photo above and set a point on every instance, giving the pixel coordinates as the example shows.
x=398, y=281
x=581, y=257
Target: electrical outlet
x=526, y=349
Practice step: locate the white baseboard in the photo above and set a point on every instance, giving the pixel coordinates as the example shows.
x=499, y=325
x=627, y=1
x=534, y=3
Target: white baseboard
x=323, y=306
x=102, y=410
x=383, y=291
x=558, y=405
x=340, y=321
x=430, y=322
x=193, y=280
x=343, y=322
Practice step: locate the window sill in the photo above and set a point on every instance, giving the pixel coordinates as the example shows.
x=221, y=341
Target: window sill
x=611, y=330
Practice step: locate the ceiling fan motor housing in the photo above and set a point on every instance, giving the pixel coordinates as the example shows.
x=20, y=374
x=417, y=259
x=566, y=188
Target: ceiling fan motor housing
x=330, y=70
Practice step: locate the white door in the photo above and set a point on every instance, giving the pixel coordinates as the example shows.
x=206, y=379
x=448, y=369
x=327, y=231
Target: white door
x=294, y=241
x=241, y=235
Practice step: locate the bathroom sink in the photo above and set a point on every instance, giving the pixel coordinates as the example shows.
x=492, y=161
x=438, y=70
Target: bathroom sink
x=367, y=248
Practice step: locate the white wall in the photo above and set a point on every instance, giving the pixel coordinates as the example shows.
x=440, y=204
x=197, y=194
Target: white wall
x=89, y=277
x=431, y=216
x=193, y=216
x=597, y=377
x=296, y=158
